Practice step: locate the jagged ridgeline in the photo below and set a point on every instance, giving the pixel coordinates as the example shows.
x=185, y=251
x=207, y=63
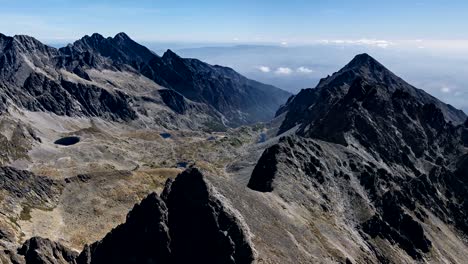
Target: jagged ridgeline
x=120, y=80
x=387, y=156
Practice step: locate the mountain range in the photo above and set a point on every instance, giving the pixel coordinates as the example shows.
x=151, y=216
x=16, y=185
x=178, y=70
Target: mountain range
x=364, y=168
x=106, y=71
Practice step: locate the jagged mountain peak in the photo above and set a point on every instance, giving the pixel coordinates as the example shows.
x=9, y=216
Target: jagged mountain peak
x=121, y=48
x=363, y=60
x=23, y=38
x=366, y=103
x=368, y=68
x=96, y=36
x=365, y=67
x=122, y=36
x=23, y=43
x=30, y=43
x=170, y=54
x=5, y=41
x=361, y=75
x=172, y=58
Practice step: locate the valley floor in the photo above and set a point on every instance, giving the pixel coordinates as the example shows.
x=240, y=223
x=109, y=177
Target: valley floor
x=111, y=168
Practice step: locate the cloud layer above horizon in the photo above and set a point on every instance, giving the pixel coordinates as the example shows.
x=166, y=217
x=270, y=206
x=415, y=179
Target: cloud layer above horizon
x=285, y=71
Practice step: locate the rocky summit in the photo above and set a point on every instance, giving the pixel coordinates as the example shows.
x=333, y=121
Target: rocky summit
x=386, y=155
x=113, y=154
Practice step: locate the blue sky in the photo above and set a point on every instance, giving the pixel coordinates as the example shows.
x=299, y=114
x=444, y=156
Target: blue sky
x=246, y=21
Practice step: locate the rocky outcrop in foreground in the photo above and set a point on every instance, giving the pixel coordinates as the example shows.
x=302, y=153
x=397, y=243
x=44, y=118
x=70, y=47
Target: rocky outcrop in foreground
x=189, y=224
x=39, y=250
x=144, y=238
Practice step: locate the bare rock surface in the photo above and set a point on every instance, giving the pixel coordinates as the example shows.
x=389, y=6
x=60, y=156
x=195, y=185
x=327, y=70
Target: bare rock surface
x=43, y=251
x=195, y=226
x=143, y=238
x=386, y=155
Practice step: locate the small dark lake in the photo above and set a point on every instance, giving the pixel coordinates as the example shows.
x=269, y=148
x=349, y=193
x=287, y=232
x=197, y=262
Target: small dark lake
x=182, y=164
x=165, y=135
x=67, y=141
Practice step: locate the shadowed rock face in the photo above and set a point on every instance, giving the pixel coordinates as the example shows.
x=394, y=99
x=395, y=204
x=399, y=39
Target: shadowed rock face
x=73, y=99
x=19, y=143
x=191, y=225
x=100, y=102
x=201, y=228
x=48, y=95
x=462, y=170
x=144, y=238
x=265, y=170
x=404, y=148
x=221, y=87
x=397, y=226
x=34, y=190
x=465, y=134
x=174, y=100
x=32, y=77
x=43, y=251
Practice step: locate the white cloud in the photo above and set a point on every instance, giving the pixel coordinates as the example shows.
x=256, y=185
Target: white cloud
x=362, y=42
x=264, y=69
x=283, y=71
x=284, y=43
x=445, y=89
x=304, y=70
